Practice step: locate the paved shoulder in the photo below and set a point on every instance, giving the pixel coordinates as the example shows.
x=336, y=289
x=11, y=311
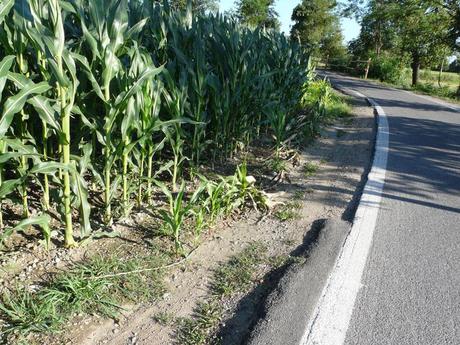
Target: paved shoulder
x=410, y=288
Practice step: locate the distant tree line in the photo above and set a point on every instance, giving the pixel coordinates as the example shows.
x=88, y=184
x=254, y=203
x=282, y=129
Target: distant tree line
x=395, y=33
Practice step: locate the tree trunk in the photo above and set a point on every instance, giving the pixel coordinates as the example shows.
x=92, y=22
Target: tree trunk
x=440, y=73
x=415, y=69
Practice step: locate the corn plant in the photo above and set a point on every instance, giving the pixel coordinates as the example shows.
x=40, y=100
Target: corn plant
x=108, y=95
x=178, y=211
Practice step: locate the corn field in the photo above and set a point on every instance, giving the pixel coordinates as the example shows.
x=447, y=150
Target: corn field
x=99, y=98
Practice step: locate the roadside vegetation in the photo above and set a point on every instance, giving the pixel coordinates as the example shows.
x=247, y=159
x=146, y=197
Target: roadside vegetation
x=232, y=279
x=413, y=44
x=139, y=116
x=114, y=108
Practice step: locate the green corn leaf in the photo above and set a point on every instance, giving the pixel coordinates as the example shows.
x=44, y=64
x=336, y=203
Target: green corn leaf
x=4, y=157
x=5, y=66
x=85, y=65
x=149, y=72
x=18, y=79
x=136, y=28
x=42, y=221
x=5, y=7
x=114, y=187
x=49, y=168
x=8, y=186
x=46, y=112
x=15, y=103
x=81, y=191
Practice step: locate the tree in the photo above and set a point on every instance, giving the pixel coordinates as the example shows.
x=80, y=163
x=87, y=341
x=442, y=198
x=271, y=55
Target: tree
x=197, y=5
x=257, y=13
x=423, y=29
x=317, y=25
x=376, y=35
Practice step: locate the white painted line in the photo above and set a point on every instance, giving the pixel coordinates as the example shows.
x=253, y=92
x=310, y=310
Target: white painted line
x=329, y=322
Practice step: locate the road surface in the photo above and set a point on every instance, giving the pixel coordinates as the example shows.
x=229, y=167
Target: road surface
x=410, y=285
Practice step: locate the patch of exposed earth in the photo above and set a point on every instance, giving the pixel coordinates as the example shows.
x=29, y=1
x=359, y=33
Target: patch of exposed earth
x=327, y=188
x=341, y=155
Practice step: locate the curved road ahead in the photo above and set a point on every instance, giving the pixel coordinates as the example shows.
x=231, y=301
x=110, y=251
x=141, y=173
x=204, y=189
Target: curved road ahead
x=410, y=292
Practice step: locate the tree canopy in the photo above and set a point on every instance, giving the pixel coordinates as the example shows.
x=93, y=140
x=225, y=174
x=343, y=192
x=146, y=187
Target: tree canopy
x=317, y=25
x=257, y=13
x=197, y=5
x=422, y=30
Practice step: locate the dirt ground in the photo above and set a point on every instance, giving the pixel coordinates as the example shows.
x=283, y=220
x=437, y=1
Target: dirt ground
x=339, y=157
x=342, y=154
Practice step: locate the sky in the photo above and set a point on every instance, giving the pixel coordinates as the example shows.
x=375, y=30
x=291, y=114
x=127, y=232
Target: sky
x=284, y=8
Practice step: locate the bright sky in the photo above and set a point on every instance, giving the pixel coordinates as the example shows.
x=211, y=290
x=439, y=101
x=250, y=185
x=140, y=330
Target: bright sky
x=284, y=8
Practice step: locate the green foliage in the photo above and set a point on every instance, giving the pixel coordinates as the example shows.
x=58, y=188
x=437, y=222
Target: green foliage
x=317, y=25
x=388, y=68
x=310, y=169
x=257, y=13
x=197, y=5
x=424, y=31
x=276, y=164
x=93, y=287
x=100, y=98
x=288, y=211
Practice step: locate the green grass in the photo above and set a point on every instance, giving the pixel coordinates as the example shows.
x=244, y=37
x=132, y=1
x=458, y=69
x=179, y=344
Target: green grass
x=309, y=169
x=450, y=79
x=164, y=318
x=339, y=106
x=428, y=84
x=299, y=194
x=91, y=287
x=236, y=276
x=288, y=211
x=276, y=164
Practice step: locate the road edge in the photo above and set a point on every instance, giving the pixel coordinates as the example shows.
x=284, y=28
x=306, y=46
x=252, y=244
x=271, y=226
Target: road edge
x=292, y=311
x=340, y=291
x=287, y=309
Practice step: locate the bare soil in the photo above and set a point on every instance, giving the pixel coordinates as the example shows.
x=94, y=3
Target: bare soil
x=341, y=155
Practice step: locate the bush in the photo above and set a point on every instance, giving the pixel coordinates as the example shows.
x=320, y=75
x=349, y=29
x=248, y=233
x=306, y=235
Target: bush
x=388, y=69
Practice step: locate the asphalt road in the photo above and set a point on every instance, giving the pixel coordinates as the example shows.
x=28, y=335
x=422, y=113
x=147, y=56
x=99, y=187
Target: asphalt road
x=410, y=290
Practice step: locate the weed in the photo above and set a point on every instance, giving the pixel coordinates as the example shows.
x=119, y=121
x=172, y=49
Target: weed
x=90, y=288
x=237, y=273
x=235, y=276
x=276, y=165
x=299, y=195
x=310, y=169
x=164, y=318
x=288, y=211
x=196, y=330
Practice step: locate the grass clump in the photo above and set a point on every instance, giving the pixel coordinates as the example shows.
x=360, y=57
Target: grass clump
x=98, y=286
x=288, y=211
x=164, y=318
x=276, y=165
x=197, y=330
x=235, y=276
x=309, y=169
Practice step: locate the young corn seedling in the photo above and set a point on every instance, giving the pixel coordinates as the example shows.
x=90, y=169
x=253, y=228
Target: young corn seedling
x=174, y=217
